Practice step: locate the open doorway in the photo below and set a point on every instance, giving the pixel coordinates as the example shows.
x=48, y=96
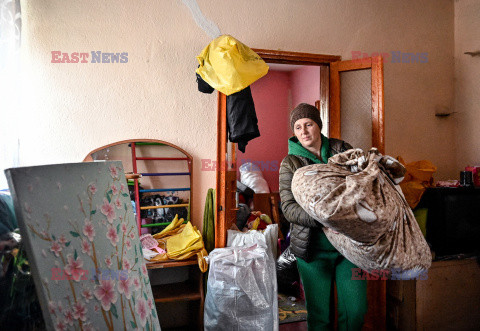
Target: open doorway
x=331, y=93
x=331, y=106
x=226, y=181
x=275, y=95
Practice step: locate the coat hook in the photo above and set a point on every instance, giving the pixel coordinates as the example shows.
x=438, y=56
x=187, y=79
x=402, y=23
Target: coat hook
x=477, y=53
x=443, y=111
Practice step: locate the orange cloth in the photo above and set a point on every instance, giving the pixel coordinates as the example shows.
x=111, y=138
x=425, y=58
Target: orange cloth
x=418, y=177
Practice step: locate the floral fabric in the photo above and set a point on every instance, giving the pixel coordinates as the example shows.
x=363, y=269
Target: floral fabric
x=364, y=213
x=82, y=241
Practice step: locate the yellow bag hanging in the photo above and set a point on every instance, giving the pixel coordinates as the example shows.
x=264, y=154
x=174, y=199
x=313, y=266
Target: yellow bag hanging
x=229, y=66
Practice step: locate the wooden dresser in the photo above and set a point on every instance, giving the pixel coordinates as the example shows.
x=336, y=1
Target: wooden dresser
x=448, y=300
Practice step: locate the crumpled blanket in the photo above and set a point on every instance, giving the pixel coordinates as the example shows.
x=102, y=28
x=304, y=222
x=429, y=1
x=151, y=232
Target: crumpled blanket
x=357, y=196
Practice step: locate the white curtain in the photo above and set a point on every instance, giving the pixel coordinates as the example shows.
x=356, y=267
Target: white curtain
x=10, y=38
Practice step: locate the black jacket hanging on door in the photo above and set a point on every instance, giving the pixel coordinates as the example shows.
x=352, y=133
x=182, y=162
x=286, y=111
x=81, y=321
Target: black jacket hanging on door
x=242, y=123
x=241, y=117
x=203, y=85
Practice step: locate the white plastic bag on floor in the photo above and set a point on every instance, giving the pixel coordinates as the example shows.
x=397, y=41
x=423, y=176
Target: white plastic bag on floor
x=241, y=290
x=266, y=238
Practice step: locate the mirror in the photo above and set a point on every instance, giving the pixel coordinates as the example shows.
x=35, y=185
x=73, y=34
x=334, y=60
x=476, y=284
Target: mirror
x=159, y=176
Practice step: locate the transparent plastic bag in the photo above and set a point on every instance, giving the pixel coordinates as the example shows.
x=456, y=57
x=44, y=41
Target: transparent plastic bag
x=266, y=238
x=241, y=290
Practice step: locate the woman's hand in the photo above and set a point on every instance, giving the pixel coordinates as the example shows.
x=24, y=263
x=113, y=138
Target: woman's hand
x=331, y=230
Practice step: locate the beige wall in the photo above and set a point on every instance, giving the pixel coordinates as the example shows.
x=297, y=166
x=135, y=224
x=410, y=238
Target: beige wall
x=70, y=109
x=467, y=82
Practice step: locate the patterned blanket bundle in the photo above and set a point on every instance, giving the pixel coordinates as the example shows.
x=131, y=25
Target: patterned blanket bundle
x=356, y=195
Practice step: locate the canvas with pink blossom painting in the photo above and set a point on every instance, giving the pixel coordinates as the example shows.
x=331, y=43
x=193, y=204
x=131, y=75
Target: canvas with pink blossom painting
x=82, y=242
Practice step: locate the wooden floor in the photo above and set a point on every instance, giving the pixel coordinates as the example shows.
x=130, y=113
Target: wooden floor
x=295, y=326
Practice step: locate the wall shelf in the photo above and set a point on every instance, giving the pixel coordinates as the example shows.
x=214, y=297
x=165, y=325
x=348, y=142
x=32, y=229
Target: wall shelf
x=163, y=167
x=184, y=291
x=171, y=264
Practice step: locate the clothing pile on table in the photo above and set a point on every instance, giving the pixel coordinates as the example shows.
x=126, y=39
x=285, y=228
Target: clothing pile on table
x=356, y=195
x=177, y=241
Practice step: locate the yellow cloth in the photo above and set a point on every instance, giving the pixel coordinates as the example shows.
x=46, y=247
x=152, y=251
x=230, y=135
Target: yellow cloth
x=255, y=223
x=418, y=177
x=172, y=227
x=182, y=241
x=169, y=233
x=202, y=262
x=229, y=66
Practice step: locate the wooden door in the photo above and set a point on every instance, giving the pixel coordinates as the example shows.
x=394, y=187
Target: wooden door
x=367, y=129
x=226, y=182
x=355, y=71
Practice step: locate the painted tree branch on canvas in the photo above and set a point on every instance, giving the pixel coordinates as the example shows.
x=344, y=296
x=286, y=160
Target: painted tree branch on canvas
x=83, y=244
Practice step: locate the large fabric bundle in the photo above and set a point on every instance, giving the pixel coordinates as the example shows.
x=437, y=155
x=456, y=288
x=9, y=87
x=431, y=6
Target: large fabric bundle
x=356, y=195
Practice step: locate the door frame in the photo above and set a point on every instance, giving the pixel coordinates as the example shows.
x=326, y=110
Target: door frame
x=225, y=178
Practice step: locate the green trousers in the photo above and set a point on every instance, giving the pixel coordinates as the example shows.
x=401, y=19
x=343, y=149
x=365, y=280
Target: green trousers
x=326, y=266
